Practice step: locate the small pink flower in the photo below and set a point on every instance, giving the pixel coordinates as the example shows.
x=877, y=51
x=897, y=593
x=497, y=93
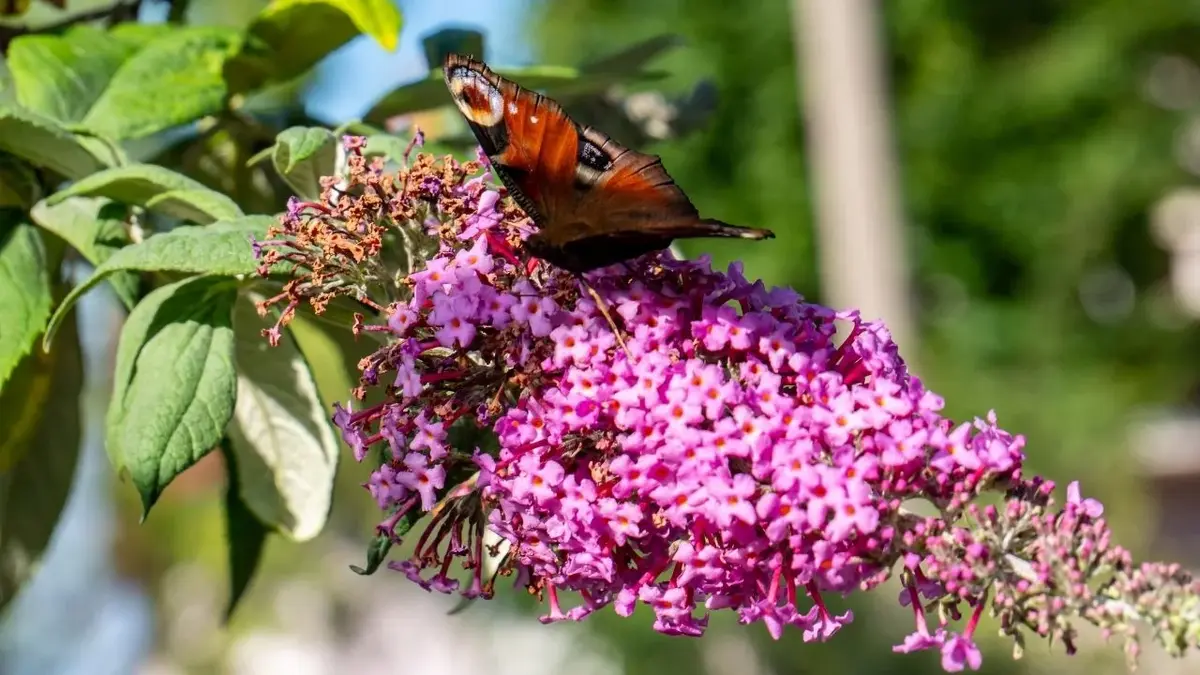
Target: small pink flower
x=959, y=652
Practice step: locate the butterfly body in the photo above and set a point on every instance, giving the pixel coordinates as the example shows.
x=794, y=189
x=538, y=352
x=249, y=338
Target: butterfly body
x=595, y=202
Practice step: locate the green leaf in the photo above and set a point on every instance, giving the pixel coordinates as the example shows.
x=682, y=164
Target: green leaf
x=221, y=249
x=376, y=554
x=135, y=332
x=26, y=296
x=284, y=99
x=157, y=188
x=44, y=143
x=138, y=35
x=387, y=146
x=18, y=183
x=176, y=78
x=40, y=409
x=378, y=550
x=302, y=155
x=290, y=36
x=108, y=151
x=181, y=391
x=280, y=434
x=245, y=535
x=24, y=396
x=201, y=205
x=8, y=89
x=95, y=227
x=356, y=127
x=61, y=76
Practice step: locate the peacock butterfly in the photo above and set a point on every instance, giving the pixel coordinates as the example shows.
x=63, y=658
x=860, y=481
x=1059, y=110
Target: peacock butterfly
x=595, y=202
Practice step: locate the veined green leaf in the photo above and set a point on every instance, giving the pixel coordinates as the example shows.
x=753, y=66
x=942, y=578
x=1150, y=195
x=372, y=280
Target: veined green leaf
x=26, y=296
x=220, y=249
x=281, y=435
x=174, y=79
x=43, y=142
x=182, y=385
x=94, y=227
x=156, y=188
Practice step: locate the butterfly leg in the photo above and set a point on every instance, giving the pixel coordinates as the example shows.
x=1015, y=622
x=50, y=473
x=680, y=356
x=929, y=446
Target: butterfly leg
x=602, y=305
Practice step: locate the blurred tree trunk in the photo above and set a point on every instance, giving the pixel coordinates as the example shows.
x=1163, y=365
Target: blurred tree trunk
x=860, y=238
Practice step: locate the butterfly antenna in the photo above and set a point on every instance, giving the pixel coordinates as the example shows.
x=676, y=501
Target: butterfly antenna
x=603, y=307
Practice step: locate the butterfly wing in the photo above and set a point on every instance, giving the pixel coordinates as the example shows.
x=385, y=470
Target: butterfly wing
x=628, y=205
x=595, y=201
x=529, y=139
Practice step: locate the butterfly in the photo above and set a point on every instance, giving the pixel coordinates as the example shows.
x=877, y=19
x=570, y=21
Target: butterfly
x=595, y=202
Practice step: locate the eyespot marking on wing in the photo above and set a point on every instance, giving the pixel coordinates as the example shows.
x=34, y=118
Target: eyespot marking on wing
x=477, y=99
x=592, y=162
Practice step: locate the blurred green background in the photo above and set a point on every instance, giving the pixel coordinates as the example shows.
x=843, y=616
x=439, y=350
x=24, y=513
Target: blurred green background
x=1035, y=143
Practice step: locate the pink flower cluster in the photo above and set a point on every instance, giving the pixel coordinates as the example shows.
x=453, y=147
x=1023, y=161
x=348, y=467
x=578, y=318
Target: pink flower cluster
x=736, y=454
x=742, y=458
x=738, y=457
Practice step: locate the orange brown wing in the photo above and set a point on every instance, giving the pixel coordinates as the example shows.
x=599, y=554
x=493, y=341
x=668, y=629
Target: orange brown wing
x=631, y=196
x=529, y=139
x=629, y=186
x=595, y=201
